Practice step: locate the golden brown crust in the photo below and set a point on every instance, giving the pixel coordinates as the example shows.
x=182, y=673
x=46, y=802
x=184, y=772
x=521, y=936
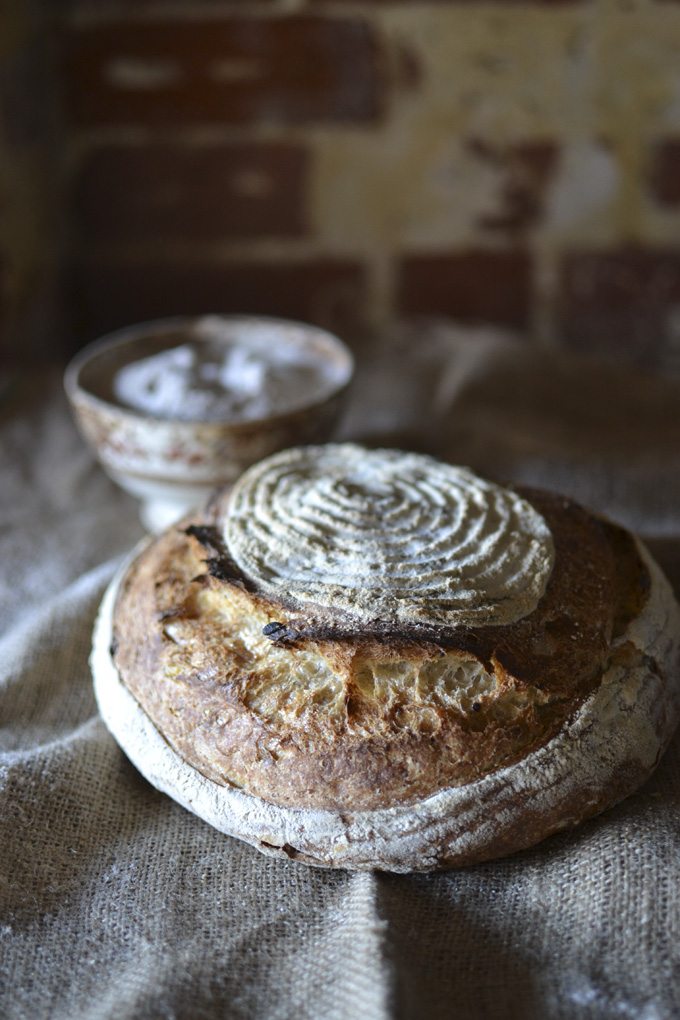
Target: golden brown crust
x=347, y=720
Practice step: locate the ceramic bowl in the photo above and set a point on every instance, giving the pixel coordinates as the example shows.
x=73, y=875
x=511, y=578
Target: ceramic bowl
x=173, y=465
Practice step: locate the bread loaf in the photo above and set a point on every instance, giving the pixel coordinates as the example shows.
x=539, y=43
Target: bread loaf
x=371, y=659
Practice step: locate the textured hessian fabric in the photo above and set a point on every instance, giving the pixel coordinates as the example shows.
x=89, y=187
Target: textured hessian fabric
x=116, y=904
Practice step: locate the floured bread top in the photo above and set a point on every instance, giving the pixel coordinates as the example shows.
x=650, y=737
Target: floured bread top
x=388, y=536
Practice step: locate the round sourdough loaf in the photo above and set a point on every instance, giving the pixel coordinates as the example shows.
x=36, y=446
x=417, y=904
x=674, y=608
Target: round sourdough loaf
x=370, y=659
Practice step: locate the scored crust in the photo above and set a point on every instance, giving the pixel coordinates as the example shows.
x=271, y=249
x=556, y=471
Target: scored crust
x=348, y=746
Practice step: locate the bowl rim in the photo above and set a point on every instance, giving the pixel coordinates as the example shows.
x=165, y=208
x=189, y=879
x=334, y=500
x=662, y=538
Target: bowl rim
x=109, y=341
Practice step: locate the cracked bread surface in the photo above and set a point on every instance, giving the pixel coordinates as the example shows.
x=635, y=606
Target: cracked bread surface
x=303, y=708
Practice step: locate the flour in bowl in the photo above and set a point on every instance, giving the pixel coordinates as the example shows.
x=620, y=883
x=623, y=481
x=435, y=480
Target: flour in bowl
x=225, y=372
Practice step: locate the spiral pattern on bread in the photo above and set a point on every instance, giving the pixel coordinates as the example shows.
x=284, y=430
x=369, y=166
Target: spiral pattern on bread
x=387, y=536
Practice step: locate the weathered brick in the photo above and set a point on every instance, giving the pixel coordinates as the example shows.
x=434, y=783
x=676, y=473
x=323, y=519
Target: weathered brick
x=413, y=3
x=622, y=303
x=173, y=191
x=94, y=5
x=470, y=286
x=107, y=294
x=526, y=170
x=288, y=70
x=665, y=172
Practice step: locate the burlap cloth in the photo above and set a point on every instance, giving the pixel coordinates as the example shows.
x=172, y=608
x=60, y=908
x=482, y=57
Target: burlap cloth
x=116, y=903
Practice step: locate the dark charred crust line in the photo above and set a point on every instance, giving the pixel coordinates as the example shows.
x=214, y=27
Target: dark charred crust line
x=222, y=567
x=290, y=851
x=273, y=629
x=304, y=629
x=209, y=537
x=220, y=564
x=311, y=623
x=216, y=570
x=322, y=624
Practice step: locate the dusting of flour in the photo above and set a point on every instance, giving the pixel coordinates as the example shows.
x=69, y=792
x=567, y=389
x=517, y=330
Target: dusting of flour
x=390, y=536
x=226, y=373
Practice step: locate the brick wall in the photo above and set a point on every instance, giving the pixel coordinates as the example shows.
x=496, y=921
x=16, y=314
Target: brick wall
x=354, y=161
x=28, y=218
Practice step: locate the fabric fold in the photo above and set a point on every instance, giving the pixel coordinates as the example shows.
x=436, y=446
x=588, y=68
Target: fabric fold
x=117, y=904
